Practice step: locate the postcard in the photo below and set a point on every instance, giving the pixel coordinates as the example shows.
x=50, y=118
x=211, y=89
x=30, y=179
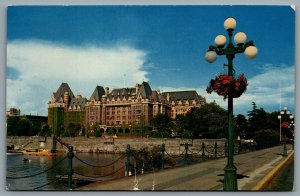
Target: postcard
x=150, y=98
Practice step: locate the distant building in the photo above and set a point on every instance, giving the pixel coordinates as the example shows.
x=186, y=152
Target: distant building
x=13, y=112
x=182, y=101
x=120, y=109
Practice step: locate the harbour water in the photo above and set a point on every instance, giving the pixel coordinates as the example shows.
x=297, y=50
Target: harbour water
x=42, y=172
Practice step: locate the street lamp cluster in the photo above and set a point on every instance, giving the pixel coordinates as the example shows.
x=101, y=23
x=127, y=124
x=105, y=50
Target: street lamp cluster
x=286, y=120
x=240, y=39
x=242, y=46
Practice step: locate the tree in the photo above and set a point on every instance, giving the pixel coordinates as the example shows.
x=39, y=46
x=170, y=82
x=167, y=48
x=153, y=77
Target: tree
x=181, y=123
x=162, y=122
x=12, y=124
x=240, y=124
x=257, y=119
x=266, y=137
x=46, y=130
x=23, y=127
x=72, y=130
x=208, y=121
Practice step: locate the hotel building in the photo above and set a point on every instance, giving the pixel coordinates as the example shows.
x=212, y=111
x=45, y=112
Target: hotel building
x=121, y=108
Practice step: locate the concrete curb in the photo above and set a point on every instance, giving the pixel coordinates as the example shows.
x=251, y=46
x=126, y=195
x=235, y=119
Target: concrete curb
x=266, y=180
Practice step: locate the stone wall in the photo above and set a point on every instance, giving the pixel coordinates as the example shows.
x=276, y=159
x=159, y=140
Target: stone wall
x=110, y=145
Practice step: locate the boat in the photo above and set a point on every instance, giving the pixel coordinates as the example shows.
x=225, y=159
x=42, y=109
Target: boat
x=26, y=160
x=40, y=153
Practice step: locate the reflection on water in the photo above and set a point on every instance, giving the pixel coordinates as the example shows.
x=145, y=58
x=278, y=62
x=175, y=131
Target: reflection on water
x=20, y=166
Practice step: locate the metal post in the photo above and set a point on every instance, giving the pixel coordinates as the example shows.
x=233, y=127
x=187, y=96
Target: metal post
x=186, y=147
x=54, y=144
x=127, y=163
x=163, y=156
x=216, y=149
x=230, y=178
x=70, y=166
x=284, y=150
x=203, y=149
x=280, y=130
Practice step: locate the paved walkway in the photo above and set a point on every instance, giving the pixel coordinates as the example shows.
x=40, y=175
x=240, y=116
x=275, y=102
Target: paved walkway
x=251, y=168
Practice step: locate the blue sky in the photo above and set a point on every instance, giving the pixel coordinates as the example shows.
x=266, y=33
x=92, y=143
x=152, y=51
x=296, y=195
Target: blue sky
x=119, y=46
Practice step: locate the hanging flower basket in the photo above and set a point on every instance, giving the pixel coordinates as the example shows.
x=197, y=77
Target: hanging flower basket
x=224, y=85
x=285, y=125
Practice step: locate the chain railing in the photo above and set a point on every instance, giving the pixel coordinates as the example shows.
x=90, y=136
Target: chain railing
x=146, y=160
x=190, y=154
x=70, y=170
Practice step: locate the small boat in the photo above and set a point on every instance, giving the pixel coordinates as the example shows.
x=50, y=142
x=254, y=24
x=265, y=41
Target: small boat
x=26, y=160
x=40, y=153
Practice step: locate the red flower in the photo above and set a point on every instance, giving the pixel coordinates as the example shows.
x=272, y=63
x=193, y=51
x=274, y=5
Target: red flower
x=285, y=125
x=225, y=85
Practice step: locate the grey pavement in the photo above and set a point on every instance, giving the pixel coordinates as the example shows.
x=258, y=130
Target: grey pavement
x=205, y=176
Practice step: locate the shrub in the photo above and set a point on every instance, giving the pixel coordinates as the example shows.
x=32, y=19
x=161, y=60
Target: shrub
x=266, y=138
x=186, y=135
x=111, y=132
x=97, y=133
x=159, y=134
x=147, y=159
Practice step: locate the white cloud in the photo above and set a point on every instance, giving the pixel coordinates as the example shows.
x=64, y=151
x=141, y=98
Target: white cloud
x=270, y=89
x=43, y=66
x=273, y=86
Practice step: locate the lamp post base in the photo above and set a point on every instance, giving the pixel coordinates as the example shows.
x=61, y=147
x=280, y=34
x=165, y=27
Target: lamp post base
x=230, y=179
x=284, y=150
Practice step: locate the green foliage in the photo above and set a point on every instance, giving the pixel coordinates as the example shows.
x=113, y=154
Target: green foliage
x=240, y=124
x=259, y=119
x=11, y=125
x=110, y=132
x=149, y=158
x=186, y=134
x=97, y=133
x=162, y=122
x=67, y=133
x=208, y=121
x=159, y=134
x=46, y=130
x=138, y=130
x=181, y=123
x=266, y=137
x=83, y=131
x=24, y=127
x=73, y=129
x=123, y=134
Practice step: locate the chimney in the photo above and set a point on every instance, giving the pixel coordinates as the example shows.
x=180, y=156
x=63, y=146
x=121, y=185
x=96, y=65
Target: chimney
x=137, y=88
x=106, y=91
x=66, y=99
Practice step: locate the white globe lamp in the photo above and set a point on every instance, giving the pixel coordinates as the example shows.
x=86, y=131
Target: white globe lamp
x=220, y=40
x=240, y=38
x=251, y=52
x=210, y=56
x=230, y=24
